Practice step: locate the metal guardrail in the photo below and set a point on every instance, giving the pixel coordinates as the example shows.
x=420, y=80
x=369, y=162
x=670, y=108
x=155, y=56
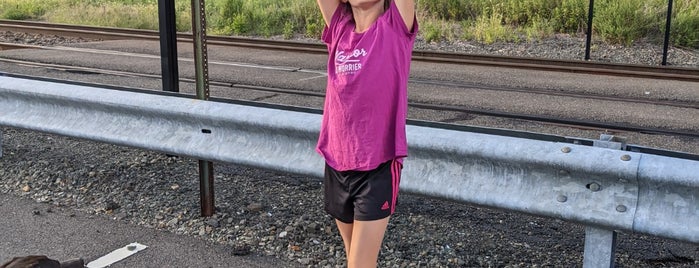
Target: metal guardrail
x=605, y=189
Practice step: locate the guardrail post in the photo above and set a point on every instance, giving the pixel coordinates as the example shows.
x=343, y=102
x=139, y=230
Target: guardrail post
x=600, y=244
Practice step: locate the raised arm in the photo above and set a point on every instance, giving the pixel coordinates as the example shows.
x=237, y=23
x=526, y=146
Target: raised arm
x=327, y=8
x=407, y=11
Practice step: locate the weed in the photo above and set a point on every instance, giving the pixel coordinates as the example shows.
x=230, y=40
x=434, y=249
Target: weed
x=540, y=28
x=685, y=24
x=624, y=21
x=288, y=30
x=570, y=16
x=491, y=29
x=314, y=27
x=23, y=9
x=618, y=21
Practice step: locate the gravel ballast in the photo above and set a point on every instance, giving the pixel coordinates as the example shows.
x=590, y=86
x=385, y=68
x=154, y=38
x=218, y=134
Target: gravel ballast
x=562, y=46
x=266, y=213
x=260, y=212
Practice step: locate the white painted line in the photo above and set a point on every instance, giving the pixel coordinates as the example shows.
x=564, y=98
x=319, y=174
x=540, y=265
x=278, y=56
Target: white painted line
x=311, y=78
x=116, y=255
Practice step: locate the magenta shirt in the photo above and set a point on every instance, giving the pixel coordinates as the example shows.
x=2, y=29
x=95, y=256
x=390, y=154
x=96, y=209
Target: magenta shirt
x=366, y=98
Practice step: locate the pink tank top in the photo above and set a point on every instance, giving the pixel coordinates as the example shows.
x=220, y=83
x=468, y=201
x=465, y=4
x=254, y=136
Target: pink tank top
x=366, y=98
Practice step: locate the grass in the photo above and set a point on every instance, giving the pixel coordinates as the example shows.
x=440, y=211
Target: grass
x=614, y=16
x=24, y=9
x=487, y=21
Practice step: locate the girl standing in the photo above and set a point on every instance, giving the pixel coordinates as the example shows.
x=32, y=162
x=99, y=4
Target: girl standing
x=362, y=136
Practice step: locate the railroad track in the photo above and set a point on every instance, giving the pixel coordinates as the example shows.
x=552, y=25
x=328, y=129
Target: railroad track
x=543, y=119
x=675, y=103
x=629, y=70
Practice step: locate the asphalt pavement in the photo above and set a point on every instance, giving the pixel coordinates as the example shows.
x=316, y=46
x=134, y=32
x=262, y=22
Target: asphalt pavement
x=31, y=228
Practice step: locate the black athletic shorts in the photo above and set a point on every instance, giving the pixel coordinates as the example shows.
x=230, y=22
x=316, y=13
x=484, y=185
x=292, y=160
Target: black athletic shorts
x=362, y=195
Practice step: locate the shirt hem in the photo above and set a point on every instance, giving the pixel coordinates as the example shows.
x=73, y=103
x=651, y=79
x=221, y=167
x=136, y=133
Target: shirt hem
x=397, y=157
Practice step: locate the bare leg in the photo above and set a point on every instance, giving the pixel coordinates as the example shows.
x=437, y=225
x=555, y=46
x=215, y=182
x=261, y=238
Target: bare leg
x=346, y=233
x=367, y=237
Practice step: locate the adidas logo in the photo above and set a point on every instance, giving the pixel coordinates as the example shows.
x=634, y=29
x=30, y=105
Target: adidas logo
x=385, y=206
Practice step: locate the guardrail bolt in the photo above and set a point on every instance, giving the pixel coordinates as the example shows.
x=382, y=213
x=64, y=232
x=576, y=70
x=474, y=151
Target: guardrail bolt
x=625, y=157
x=594, y=187
x=562, y=198
x=566, y=149
x=621, y=208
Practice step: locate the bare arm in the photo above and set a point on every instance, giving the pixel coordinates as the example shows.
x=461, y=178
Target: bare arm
x=407, y=11
x=327, y=8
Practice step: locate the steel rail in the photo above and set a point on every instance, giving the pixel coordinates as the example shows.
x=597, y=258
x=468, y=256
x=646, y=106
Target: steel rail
x=574, y=66
x=672, y=103
x=677, y=103
x=9, y=46
x=543, y=119
x=567, y=122
x=111, y=33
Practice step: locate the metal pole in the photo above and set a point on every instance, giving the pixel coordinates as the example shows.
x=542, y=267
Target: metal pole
x=667, y=32
x=206, y=180
x=168, y=45
x=588, y=43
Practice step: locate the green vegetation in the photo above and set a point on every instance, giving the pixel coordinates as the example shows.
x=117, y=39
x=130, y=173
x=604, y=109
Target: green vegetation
x=488, y=21
x=266, y=17
x=614, y=17
x=24, y=9
x=685, y=24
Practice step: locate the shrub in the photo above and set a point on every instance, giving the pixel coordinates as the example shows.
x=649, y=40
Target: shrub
x=183, y=15
x=241, y=24
x=456, y=10
x=619, y=21
x=289, y=30
x=490, y=30
x=431, y=31
x=314, y=27
x=114, y=15
x=23, y=10
x=539, y=28
x=685, y=24
x=625, y=21
x=522, y=12
x=570, y=16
